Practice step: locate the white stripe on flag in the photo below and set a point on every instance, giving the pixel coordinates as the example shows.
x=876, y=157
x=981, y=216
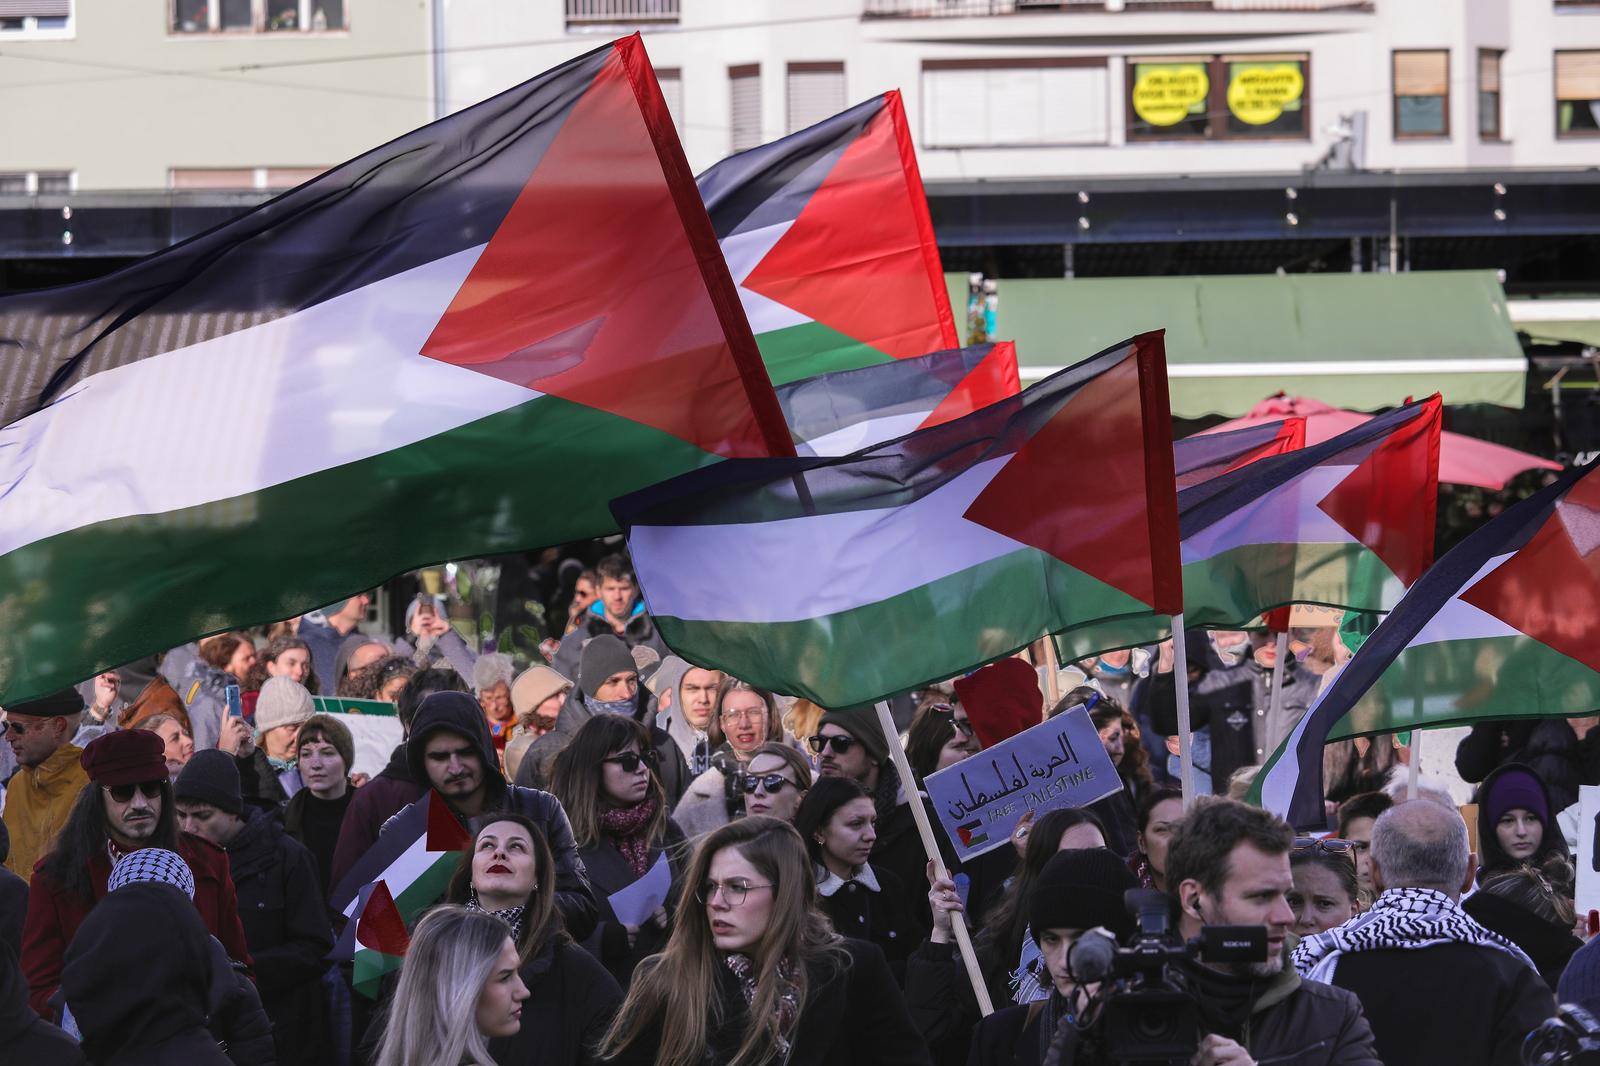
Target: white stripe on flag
x=743, y=252
x=864, y=434
x=867, y=556
x=1458, y=620
x=406, y=868
x=1287, y=515
x=328, y=385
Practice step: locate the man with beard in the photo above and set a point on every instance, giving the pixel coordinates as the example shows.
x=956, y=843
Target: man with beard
x=126, y=806
x=48, y=778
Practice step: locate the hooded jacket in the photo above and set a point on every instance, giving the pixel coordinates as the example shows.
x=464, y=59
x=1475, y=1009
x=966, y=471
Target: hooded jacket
x=695, y=744
x=640, y=629
x=137, y=979
x=1492, y=857
x=538, y=762
x=38, y=800
x=459, y=713
x=391, y=791
x=24, y=1036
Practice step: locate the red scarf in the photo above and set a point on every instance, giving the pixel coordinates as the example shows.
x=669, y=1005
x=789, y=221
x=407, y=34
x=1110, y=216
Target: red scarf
x=626, y=827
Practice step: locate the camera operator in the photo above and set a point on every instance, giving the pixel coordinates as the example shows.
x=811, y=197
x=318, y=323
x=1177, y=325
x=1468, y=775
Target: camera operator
x=1229, y=865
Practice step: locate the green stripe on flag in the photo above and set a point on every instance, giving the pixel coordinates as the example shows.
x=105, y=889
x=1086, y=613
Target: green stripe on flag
x=1236, y=586
x=811, y=348
x=368, y=969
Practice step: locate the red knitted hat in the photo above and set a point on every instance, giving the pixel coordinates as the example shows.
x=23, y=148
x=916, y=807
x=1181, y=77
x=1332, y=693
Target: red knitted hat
x=125, y=757
x=1001, y=700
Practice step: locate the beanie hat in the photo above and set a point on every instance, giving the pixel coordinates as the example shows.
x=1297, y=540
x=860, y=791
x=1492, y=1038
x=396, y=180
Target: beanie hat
x=335, y=732
x=125, y=757
x=860, y=722
x=1001, y=700
x=535, y=685
x=152, y=864
x=211, y=776
x=283, y=701
x=55, y=705
x=1081, y=889
x=1517, y=787
x=603, y=656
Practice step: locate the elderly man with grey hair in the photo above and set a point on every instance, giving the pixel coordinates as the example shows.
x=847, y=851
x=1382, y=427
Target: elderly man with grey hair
x=1435, y=985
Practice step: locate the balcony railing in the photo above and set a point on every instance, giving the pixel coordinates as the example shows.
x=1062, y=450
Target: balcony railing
x=979, y=8
x=581, y=13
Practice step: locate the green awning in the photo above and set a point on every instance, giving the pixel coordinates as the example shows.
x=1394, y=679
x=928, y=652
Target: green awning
x=1363, y=341
x=1577, y=332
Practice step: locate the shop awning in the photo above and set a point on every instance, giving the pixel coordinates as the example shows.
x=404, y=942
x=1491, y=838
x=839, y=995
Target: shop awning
x=1361, y=341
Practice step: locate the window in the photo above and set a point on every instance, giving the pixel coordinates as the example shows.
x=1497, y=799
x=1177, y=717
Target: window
x=815, y=92
x=256, y=16
x=1489, y=94
x=36, y=182
x=1578, y=94
x=240, y=179
x=995, y=103
x=47, y=17
x=1230, y=97
x=671, y=81
x=744, y=111
x=1421, y=94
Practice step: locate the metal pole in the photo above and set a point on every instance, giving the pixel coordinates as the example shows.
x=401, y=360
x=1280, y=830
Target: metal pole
x=1180, y=690
x=958, y=923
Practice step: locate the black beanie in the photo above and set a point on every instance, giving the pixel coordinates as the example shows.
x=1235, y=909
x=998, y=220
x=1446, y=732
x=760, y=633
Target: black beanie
x=603, y=656
x=1081, y=889
x=211, y=777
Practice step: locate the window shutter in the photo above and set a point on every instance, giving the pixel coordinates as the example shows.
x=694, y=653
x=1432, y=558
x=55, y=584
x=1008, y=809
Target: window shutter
x=671, y=81
x=1421, y=73
x=744, y=119
x=45, y=9
x=1489, y=72
x=1578, y=75
x=815, y=92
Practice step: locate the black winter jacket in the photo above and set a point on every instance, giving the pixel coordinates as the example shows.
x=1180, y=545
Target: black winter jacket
x=459, y=713
x=24, y=1036
x=609, y=873
x=571, y=1001
x=640, y=629
x=1548, y=746
x=1549, y=944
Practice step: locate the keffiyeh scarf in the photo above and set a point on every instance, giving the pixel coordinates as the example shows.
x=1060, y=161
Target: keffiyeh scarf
x=512, y=916
x=1406, y=918
x=744, y=968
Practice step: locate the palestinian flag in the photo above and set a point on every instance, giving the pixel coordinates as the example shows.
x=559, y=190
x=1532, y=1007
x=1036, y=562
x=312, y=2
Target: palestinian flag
x=1505, y=625
x=462, y=343
x=845, y=579
x=828, y=237
x=847, y=410
x=382, y=936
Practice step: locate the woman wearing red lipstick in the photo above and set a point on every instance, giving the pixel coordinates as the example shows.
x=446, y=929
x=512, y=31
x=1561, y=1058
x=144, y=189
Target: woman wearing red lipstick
x=753, y=974
x=606, y=779
x=570, y=998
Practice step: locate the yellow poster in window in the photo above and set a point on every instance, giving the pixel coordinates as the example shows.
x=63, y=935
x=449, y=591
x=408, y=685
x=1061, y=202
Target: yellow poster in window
x=1258, y=93
x=1165, y=94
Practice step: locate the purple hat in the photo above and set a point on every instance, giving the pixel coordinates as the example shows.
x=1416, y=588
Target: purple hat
x=1515, y=788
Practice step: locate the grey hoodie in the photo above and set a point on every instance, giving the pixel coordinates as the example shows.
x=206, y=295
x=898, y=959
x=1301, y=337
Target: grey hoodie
x=692, y=742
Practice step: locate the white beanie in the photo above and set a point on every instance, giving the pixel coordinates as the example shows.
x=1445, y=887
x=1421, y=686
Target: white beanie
x=283, y=701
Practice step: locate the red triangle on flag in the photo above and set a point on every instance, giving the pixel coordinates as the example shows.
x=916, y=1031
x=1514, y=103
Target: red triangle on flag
x=593, y=290
x=380, y=926
x=1076, y=489
x=995, y=378
x=445, y=831
x=1550, y=589
x=857, y=259
x=1389, y=501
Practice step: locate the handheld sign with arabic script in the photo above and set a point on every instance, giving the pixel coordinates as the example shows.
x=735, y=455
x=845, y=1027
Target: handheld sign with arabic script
x=1057, y=763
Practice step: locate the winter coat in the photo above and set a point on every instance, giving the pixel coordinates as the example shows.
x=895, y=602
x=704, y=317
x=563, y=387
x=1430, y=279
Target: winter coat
x=1449, y=1003
x=316, y=823
x=54, y=916
x=1549, y=944
x=137, y=979
x=323, y=640
x=854, y=1016
x=205, y=702
x=391, y=791
x=538, y=762
x=38, y=800
x=640, y=629
x=235, y=1017
x=459, y=713
x=1492, y=858
x=1233, y=701
x=1547, y=745
x=13, y=909
x=24, y=1036
x=609, y=873
x=261, y=785
x=856, y=910
x=704, y=805
x=571, y=1001
x=286, y=925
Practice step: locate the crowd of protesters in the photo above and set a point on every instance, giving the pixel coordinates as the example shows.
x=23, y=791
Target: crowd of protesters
x=173, y=867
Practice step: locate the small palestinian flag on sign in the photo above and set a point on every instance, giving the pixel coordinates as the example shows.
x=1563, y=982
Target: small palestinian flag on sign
x=1505, y=625
x=827, y=235
x=972, y=834
x=843, y=580
x=847, y=410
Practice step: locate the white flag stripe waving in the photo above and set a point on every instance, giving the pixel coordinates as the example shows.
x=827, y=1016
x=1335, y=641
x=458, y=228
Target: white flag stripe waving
x=1288, y=515
x=334, y=383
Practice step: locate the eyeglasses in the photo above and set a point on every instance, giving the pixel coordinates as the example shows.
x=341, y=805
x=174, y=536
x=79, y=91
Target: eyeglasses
x=733, y=892
x=124, y=793
x=1331, y=845
x=839, y=744
x=629, y=760
x=748, y=714
x=947, y=712
x=773, y=783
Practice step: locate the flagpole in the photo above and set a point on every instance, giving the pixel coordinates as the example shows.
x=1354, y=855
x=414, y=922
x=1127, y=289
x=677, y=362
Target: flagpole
x=958, y=923
x=1052, y=671
x=1180, y=690
x=1414, y=763
x=1275, y=701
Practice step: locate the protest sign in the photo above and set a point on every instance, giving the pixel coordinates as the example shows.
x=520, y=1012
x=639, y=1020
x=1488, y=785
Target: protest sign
x=1058, y=763
x=375, y=737
x=341, y=705
x=635, y=904
x=1588, y=865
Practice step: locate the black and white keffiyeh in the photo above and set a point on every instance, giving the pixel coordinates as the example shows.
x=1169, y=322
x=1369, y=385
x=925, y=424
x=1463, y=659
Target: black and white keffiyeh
x=1406, y=918
x=512, y=916
x=151, y=864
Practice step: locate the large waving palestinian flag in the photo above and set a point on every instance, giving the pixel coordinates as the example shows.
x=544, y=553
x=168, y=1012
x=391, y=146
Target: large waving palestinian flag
x=1505, y=625
x=464, y=342
x=1199, y=459
x=842, y=412
x=846, y=579
x=828, y=237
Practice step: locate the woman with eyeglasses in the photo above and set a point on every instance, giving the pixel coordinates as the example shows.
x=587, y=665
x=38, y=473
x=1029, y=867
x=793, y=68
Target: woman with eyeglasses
x=743, y=718
x=753, y=974
x=839, y=825
x=1326, y=893
x=940, y=735
x=606, y=779
x=508, y=872
x=774, y=781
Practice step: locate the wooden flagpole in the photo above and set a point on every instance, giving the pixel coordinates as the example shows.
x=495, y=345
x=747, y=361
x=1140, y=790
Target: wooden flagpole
x=1180, y=691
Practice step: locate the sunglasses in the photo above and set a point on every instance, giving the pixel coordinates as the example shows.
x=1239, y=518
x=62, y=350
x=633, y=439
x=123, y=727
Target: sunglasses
x=840, y=745
x=629, y=760
x=773, y=783
x=123, y=793
x=1331, y=845
x=948, y=713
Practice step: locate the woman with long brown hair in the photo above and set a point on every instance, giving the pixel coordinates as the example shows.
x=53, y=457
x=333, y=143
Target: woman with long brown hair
x=606, y=779
x=753, y=974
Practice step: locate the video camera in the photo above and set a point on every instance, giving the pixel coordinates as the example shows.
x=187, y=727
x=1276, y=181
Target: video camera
x=1148, y=1011
x=1572, y=1036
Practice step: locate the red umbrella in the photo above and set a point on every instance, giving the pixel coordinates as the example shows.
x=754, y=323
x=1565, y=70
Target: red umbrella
x=1462, y=460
